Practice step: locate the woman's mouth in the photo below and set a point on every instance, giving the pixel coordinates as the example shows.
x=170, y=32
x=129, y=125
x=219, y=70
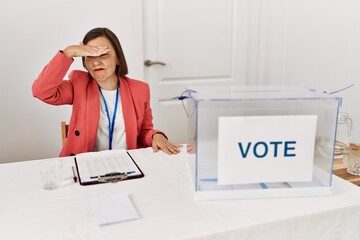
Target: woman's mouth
x=98, y=69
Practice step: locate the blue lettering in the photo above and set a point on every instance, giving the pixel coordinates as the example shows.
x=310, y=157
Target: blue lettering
x=261, y=149
x=244, y=154
x=288, y=148
x=256, y=149
x=275, y=147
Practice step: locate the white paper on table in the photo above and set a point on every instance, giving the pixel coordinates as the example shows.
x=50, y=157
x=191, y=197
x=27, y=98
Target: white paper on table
x=113, y=209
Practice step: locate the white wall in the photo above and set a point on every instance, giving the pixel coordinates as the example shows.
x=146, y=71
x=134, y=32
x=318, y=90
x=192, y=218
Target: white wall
x=311, y=43
x=314, y=43
x=31, y=33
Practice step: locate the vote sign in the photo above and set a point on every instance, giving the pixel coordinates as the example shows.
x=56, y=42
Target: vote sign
x=258, y=149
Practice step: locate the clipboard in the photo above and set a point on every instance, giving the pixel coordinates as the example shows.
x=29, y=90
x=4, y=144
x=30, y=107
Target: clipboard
x=108, y=166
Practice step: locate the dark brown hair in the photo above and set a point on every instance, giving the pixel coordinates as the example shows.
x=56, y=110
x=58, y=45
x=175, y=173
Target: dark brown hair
x=121, y=69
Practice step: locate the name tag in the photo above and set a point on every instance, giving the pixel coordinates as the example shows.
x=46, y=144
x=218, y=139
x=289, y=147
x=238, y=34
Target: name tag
x=255, y=149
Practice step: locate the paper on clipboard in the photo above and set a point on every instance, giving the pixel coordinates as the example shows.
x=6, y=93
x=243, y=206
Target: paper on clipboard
x=93, y=166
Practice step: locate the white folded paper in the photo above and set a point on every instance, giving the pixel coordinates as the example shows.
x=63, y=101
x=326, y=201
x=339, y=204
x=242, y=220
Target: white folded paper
x=113, y=209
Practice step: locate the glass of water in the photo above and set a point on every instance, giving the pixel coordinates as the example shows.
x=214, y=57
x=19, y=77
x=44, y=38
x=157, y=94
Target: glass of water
x=353, y=160
x=51, y=173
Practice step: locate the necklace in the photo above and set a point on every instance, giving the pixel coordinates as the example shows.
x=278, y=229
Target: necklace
x=111, y=123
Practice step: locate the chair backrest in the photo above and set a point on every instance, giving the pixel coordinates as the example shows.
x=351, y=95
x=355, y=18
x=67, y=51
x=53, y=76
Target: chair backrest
x=64, y=132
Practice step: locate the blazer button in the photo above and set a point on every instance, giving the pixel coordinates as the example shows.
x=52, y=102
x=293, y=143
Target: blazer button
x=77, y=133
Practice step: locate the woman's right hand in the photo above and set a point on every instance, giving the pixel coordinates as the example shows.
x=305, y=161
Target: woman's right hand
x=85, y=50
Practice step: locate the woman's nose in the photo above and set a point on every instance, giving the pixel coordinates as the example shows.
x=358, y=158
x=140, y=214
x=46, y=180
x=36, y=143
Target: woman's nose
x=96, y=62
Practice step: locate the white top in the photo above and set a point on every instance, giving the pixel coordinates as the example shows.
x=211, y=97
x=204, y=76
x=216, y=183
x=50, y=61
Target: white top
x=102, y=137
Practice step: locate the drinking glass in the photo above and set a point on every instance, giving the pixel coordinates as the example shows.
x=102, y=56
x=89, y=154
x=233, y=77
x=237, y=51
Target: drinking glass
x=51, y=172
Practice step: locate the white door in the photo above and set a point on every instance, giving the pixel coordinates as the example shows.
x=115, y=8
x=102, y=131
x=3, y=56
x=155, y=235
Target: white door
x=191, y=43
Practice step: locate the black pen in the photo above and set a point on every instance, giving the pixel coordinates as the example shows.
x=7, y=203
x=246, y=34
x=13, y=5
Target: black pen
x=114, y=174
x=75, y=178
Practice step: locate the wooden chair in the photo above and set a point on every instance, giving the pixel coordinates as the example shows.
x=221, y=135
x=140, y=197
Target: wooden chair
x=64, y=131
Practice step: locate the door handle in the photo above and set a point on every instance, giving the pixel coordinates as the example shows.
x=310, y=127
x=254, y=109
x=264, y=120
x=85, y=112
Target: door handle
x=149, y=63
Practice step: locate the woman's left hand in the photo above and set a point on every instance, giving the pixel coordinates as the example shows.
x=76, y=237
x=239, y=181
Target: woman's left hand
x=159, y=141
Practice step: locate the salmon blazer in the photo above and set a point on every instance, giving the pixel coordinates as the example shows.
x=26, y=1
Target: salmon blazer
x=82, y=92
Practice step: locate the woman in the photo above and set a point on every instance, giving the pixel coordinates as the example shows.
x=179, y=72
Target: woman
x=110, y=110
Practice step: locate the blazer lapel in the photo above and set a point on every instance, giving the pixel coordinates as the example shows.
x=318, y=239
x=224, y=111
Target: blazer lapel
x=92, y=113
x=129, y=114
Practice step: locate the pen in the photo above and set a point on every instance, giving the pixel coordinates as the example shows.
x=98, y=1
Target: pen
x=75, y=178
x=112, y=174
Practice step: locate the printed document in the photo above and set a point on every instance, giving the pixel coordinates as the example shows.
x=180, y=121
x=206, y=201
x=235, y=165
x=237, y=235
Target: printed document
x=93, y=166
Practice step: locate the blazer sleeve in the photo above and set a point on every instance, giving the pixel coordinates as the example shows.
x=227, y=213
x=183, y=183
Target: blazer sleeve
x=50, y=86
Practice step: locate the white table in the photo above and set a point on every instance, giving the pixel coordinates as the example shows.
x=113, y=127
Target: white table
x=165, y=202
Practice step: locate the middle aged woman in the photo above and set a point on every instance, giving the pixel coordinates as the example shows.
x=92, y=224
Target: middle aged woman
x=110, y=110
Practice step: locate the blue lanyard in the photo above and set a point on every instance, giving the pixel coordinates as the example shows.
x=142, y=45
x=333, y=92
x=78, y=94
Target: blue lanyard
x=111, y=124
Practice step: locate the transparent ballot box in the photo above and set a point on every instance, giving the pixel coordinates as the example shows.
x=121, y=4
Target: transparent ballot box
x=260, y=141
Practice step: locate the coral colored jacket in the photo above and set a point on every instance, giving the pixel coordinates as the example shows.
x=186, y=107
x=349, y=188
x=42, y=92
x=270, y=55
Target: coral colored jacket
x=81, y=91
